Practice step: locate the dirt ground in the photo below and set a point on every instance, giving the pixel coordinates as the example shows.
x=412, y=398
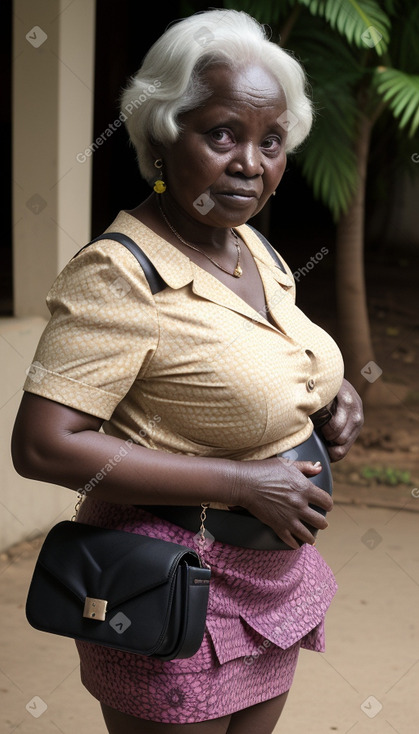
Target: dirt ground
x=367, y=680
x=384, y=462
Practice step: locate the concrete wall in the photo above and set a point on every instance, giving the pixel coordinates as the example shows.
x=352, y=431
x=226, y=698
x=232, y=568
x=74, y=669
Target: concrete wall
x=53, y=75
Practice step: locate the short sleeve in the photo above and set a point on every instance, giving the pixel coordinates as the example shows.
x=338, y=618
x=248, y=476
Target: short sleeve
x=102, y=333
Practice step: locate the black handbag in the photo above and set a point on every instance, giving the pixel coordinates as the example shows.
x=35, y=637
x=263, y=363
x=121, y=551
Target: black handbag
x=121, y=590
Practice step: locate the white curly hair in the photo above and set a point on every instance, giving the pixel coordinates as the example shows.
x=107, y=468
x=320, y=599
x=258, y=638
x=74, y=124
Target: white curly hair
x=169, y=81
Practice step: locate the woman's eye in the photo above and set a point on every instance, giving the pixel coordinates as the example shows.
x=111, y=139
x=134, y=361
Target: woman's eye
x=272, y=143
x=221, y=136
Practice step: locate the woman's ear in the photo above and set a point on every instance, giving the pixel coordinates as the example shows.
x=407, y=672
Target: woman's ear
x=156, y=154
x=156, y=149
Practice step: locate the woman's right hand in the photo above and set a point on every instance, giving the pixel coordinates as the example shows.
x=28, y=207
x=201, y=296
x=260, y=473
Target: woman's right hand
x=278, y=492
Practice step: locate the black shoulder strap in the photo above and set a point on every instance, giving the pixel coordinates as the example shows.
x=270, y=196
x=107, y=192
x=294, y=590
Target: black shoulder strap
x=269, y=247
x=155, y=280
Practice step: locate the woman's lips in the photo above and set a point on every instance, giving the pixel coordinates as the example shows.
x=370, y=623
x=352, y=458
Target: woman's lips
x=238, y=197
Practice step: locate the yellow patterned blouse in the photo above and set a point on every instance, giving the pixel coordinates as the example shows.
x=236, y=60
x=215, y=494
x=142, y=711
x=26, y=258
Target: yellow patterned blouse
x=192, y=369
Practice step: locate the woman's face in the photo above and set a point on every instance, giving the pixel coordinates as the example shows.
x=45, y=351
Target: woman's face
x=230, y=156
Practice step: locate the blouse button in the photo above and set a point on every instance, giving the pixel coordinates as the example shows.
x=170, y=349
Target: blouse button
x=310, y=384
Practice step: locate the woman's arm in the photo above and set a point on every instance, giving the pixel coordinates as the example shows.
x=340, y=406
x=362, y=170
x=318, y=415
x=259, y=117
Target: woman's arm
x=57, y=444
x=54, y=443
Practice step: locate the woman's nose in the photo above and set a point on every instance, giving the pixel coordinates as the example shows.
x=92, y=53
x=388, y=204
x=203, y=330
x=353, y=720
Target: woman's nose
x=247, y=160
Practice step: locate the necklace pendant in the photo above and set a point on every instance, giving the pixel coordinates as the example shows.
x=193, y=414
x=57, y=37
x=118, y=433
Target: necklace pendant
x=238, y=272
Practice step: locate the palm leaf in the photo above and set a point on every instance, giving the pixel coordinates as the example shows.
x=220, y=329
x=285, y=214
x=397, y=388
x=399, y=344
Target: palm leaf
x=400, y=92
x=327, y=160
x=324, y=54
x=330, y=171
x=361, y=22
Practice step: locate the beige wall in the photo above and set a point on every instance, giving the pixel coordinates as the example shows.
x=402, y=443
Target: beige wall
x=52, y=122
x=53, y=75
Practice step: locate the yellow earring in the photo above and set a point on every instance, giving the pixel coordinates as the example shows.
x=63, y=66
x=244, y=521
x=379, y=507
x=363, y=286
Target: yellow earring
x=159, y=185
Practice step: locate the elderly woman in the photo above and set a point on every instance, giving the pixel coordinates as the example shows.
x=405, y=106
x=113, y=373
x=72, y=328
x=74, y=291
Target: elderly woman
x=211, y=378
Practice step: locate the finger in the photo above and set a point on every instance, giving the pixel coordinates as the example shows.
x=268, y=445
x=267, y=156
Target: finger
x=308, y=467
x=315, y=519
x=336, y=426
x=320, y=498
x=289, y=539
x=342, y=432
x=346, y=423
x=338, y=449
x=338, y=452
x=303, y=534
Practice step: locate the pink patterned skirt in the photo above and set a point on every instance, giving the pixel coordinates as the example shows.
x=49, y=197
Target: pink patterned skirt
x=263, y=607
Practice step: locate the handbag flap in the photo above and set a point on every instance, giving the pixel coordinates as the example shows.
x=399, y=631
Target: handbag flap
x=109, y=564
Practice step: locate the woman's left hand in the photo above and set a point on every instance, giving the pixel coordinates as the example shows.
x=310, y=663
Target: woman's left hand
x=345, y=426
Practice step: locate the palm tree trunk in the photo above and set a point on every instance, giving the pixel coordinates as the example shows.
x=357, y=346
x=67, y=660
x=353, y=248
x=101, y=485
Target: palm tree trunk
x=353, y=325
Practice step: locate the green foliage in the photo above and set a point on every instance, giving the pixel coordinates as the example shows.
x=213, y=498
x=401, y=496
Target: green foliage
x=361, y=23
x=361, y=58
x=401, y=92
x=386, y=475
x=327, y=159
x=328, y=162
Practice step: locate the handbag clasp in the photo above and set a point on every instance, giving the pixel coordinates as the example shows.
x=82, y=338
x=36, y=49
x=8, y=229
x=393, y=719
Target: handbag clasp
x=95, y=608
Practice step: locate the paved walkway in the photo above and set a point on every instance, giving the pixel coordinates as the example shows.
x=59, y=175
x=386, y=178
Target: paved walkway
x=366, y=683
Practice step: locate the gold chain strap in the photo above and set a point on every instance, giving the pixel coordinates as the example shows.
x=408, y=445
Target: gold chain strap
x=202, y=540
x=80, y=498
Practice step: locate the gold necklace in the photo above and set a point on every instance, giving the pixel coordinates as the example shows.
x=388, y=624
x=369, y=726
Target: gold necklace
x=237, y=273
